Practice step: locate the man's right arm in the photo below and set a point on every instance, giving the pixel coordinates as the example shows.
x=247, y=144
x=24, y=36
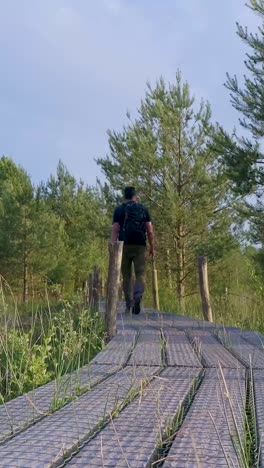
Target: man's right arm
x=115, y=232
x=150, y=234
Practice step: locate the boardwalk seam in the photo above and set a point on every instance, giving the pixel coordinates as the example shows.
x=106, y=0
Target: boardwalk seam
x=252, y=436
x=164, y=355
x=230, y=350
x=162, y=453
x=94, y=432
x=49, y=413
x=196, y=350
x=132, y=349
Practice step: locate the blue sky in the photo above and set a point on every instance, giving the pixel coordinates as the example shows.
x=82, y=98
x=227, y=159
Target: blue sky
x=70, y=69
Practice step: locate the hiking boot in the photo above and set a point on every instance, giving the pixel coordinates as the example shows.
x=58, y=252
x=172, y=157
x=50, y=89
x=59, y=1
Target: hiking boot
x=128, y=310
x=136, y=308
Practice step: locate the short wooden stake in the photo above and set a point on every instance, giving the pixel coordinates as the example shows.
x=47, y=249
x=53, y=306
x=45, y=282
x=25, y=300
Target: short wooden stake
x=204, y=289
x=114, y=270
x=155, y=287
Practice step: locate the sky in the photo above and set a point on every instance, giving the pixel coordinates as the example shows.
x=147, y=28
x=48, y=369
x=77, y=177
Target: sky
x=71, y=69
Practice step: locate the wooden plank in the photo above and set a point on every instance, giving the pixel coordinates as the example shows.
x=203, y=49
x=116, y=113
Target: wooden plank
x=132, y=438
x=212, y=352
x=52, y=440
x=118, y=350
x=208, y=436
x=147, y=351
x=133, y=433
x=25, y=410
x=254, y=338
x=179, y=352
x=251, y=355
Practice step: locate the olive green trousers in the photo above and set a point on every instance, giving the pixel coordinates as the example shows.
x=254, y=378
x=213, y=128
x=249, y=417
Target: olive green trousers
x=133, y=255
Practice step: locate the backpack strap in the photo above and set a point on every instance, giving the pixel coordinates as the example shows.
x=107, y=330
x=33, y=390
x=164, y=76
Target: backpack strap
x=126, y=215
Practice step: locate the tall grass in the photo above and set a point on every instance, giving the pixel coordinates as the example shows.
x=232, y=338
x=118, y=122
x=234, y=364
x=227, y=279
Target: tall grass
x=41, y=343
x=238, y=310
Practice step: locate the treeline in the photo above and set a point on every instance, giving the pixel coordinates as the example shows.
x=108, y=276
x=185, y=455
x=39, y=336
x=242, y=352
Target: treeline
x=50, y=235
x=194, y=177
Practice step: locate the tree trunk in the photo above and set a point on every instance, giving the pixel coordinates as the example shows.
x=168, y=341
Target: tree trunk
x=32, y=286
x=168, y=269
x=180, y=267
x=25, y=280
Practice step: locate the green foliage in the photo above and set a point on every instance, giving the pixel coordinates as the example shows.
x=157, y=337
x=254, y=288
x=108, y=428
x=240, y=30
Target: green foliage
x=55, y=345
x=50, y=236
x=16, y=196
x=80, y=208
x=23, y=365
x=243, y=156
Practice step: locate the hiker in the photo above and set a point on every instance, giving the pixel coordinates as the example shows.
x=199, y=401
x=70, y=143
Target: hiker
x=132, y=224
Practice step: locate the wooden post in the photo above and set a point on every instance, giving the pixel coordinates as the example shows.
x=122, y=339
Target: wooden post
x=204, y=289
x=115, y=259
x=155, y=287
x=120, y=290
x=96, y=288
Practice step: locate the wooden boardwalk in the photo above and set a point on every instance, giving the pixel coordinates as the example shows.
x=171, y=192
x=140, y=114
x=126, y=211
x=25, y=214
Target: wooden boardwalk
x=167, y=391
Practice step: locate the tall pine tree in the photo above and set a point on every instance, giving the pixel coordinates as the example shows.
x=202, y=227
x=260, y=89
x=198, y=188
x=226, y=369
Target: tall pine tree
x=31, y=236
x=243, y=155
x=165, y=152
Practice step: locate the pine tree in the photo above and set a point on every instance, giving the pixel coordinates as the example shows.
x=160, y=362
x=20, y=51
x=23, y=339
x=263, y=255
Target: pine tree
x=16, y=197
x=244, y=156
x=165, y=152
x=81, y=210
x=31, y=236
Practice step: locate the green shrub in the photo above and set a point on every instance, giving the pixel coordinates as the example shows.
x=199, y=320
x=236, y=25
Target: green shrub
x=53, y=345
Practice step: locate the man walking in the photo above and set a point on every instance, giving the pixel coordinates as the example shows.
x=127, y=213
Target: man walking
x=132, y=224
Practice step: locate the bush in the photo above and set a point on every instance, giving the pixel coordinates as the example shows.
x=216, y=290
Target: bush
x=53, y=345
